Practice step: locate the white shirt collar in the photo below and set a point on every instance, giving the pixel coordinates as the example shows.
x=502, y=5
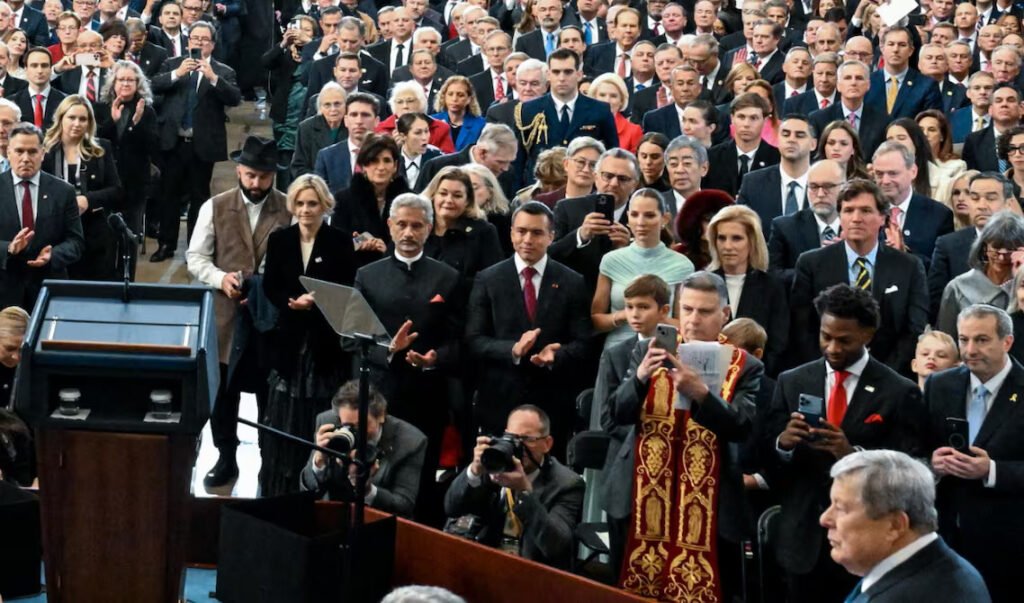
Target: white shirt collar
x=905, y=205
x=408, y=261
x=801, y=182
x=559, y=104
x=540, y=266
x=892, y=561
x=821, y=225
x=18, y=180
x=856, y=369
x=789, y=90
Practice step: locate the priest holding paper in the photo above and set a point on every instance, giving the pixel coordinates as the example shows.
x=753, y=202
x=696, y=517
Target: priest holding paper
x=686, y=406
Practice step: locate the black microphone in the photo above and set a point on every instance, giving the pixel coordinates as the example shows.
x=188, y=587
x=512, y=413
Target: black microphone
x=116, y=221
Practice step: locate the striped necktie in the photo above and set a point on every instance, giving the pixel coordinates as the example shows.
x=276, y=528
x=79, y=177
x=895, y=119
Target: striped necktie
x=863, y=274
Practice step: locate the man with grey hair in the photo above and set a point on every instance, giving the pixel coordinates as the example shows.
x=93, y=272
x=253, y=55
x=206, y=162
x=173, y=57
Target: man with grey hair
x=932, y=62
x=869, y=120
x=979, y=151
x=529, y=80
x=582, y=233
x=495, y=149
x=881, y=524
x=980, y=489
x=10, y=114
x=489, y=80
x=702, y=310
x=421, y=594
x=915, y=221
x=417, y=299
x=580, y=163
x=686, y=163
x=823, y=87
x=685, y=86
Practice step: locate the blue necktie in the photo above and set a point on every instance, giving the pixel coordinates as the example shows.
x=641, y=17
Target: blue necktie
x=1003, y=166
x=191, y=101
x=588, y=33
x=976, y=412
x=640, y=87
x=792, y=204
x=550, y=46
x=850, y=598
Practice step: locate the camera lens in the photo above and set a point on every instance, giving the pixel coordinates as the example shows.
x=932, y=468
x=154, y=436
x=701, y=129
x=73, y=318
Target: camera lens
x=498, y=457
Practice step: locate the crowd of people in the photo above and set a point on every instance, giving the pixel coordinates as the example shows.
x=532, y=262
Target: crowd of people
x=528, y=195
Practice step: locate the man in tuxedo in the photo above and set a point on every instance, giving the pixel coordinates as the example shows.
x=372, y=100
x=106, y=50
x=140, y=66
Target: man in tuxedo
x=686, y=163
x=530, y=510
x=861, y=403
x=394, y=482
x=613, y=56
x=782, y=190
x=915, y=221
x=868, y=119
x=495, y=150
x=974, y=116
x=902, y=91
x=30, y=21
x=556, y=118
x=38, y=101
x=659, y=95
x=223, y=252
x=895, y=279
x=196, y=94
x=746, y=151
x=418, y=299
x=990, y=193
x=979, y=488
x=878, y=492
x=528, y=328
x=823, y=87
x=931, y=62
x=583, y=234
x=979, y=151
x=40, y=229
x=702, y=310
x=335, y=163
x=685, y=86
x=810, y=228
x=9, y=85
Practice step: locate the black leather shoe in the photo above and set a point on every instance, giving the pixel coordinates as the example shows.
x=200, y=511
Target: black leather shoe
x=224, y=472
x=163, y=253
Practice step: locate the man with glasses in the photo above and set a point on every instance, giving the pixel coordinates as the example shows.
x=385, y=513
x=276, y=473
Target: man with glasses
x=475, y=63
x=973, y=116
x=148, y=56
x=584, y=234
x=84, y=80
x=490, y=84
x=859, y=48
x=980, y=147
x=196, y=93
x=579, y=164
x=458, y=50
x=531, y=510
x=169, y=35
x=86, y=11
x=813, y=226
x=192, y=13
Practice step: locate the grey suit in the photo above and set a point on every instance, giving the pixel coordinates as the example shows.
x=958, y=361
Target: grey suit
x=401, y=450
x=935, y=573
x=549, y=514
x=57, y=223
x=312, y=135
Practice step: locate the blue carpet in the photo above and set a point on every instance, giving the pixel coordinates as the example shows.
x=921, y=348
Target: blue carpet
x=199, y=583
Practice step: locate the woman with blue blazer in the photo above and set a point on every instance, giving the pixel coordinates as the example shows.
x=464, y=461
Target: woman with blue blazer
x=457, y=106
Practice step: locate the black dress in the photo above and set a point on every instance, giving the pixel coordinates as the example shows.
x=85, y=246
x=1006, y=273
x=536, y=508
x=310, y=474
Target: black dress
x=468, y=246
x=307, y=364
x=356, y=211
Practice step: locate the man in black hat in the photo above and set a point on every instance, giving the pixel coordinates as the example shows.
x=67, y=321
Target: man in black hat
x=223, y=252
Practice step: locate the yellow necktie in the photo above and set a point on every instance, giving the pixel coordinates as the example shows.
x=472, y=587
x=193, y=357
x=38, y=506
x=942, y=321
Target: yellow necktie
x=890, y=99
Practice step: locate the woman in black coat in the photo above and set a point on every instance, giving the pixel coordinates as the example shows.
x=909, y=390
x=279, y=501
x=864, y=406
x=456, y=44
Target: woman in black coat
x=307, y=364
x=462, y=237
x=740, y=256
x=362, y=209
x=74, y=154
x=127, y=119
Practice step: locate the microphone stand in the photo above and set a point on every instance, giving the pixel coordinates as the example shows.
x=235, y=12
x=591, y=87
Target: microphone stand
x=116, y=221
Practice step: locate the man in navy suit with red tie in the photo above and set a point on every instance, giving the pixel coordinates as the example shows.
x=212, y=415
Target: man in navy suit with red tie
x=528, y=327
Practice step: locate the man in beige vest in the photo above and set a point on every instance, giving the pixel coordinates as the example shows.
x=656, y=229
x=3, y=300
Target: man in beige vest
x=228, y=245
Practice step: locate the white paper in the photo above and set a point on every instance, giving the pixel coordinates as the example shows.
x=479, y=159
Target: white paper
x=709, y=358
x=895, y=10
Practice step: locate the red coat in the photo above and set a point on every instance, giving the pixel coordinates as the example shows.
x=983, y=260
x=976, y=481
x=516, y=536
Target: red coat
x=440, y=133
x=629, y=133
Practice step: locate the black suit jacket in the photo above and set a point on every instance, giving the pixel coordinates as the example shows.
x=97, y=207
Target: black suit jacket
x=502, y=113
x=70, y=81
x=151, y=59
x=982, y=523
x=456, y=51
x=954, y=96
x=730, y=421
x=926, y=221
x=382, y=52
x=33, y=23
x=159, y=37
x=375, y=76
x=468, y=246
x=483, y=85
x=898, y=285
x=507, y=180
x=979, y=151
x=725, y=160
x=312, y=135
x=56, y=223
x=806, y=103
x=870, y=129
x=569, y=215
x=400, y=455
x=644, y=102
x=134, y=147
x=209, y=116
x=664, y=120
x=761, y=191
x=497, y=318
x=764, y=300
x=949, y=260
x=802, y=482
x=12, y=85
x=791, y=236
x=356, y=211
x=770, y=71
x=532, y=44
x=935, y=573
x=600, y=58
x=471, y=65
x=548, y=516
x=98, y=178
x=27, y=104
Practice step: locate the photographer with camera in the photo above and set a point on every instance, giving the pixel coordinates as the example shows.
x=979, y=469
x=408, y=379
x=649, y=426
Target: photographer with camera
x=517, y=496
x=396, y=453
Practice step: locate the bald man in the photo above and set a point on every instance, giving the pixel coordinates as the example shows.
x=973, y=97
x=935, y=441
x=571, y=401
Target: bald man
x=84, y=71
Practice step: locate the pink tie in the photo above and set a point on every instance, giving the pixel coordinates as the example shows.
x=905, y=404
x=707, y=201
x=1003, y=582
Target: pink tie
x=894, y=215
x=499, y=89
x=824, y=103
x=529, y=292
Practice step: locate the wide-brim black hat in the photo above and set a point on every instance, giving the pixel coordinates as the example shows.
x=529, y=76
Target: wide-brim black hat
x=257, y=153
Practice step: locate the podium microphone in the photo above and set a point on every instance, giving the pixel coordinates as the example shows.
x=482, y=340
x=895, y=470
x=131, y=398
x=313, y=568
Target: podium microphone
x=116, y=221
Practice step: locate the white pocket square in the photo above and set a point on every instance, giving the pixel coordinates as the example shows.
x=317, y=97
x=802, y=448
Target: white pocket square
x=892, y=289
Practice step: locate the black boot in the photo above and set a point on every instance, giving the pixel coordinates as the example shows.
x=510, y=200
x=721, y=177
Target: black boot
x=224, y=472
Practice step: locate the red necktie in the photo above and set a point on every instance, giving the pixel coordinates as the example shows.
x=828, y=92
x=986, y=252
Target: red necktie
x=529, y=292
x=38, y=116
x=824, y=103
x=499, y=89
x=27, y=217
x=90, y=85
x=794, y=93
x=837, y=399
x=623, y=59
x=656, y=30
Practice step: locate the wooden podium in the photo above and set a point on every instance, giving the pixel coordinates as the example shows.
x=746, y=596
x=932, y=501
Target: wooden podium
x=115, y=499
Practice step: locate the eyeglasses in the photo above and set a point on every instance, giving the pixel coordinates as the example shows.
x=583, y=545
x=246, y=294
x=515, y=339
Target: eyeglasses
x=826, y=187
x=1010, y=150
x=583, y=164
x=999, y=253
x=609, y=177
x=126, y=80
x=202, y=40
x=525, y=438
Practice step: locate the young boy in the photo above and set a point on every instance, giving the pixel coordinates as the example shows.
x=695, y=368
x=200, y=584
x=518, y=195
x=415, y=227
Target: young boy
x=936, y=351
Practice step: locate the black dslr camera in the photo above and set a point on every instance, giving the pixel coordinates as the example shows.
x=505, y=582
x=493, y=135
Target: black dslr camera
x=498, y=458
x=344, y=440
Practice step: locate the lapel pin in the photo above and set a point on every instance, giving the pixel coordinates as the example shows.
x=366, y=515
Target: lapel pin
x=469, y=229
x=869, y=388
x=554, y=285
x=318, y=260
x=906, y=233
x=1013, y=398
x=910, y=83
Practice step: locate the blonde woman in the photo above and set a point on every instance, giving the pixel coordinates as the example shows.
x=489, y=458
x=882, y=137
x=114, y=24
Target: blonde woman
x=16, y=460
x=492, y=200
